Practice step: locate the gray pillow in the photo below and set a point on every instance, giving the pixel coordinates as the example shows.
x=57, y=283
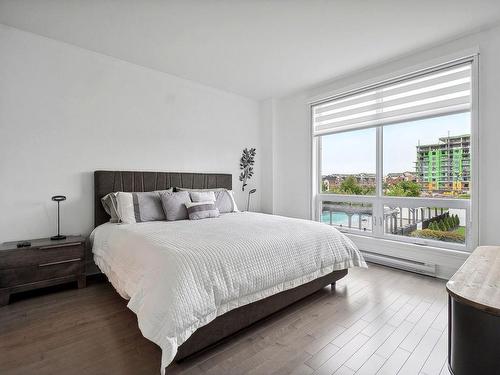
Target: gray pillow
x=174, y=205
x=202, y=210
x=139, y=207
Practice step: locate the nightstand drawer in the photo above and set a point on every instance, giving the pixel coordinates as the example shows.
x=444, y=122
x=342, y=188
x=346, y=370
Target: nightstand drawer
x=45, y=271
x=35, y=256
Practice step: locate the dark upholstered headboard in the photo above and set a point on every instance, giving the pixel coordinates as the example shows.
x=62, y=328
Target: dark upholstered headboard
x=111, y=181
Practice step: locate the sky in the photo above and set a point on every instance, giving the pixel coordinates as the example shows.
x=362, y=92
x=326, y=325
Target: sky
x=354, y=152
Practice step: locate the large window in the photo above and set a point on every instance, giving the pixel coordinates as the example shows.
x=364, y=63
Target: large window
x=395, y=160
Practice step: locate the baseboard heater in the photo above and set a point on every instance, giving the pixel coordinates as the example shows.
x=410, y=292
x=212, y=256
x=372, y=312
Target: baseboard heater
x=404, y=264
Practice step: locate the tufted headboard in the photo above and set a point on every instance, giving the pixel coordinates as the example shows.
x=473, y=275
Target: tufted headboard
x=111, y=181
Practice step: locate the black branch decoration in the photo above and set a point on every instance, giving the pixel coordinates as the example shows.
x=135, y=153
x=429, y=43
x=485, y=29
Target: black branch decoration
x=246, y=165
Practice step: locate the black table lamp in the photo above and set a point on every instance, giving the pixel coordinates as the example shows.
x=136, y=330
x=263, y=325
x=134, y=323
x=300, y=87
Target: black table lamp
x=58, y=199
x=248, y=201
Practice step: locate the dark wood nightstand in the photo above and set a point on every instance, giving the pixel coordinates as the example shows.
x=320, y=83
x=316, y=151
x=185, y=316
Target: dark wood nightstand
x=44, y=263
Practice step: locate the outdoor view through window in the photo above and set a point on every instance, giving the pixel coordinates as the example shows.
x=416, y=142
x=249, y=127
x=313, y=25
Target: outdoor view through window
x=427, y=158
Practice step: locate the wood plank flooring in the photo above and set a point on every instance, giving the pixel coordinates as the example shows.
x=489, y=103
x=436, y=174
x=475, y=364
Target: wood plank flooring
x=377, y=321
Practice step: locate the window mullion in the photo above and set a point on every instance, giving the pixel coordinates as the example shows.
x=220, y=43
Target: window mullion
x=378, y=209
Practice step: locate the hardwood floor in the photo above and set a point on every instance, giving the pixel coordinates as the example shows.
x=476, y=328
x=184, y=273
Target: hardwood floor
x=378, y=321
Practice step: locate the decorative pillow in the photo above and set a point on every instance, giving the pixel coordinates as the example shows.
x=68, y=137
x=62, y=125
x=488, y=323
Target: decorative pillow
x=202, y=210
x=110, y=206
x=224, y=199
x=139, y=207
x=202, y=196
x=174, y=205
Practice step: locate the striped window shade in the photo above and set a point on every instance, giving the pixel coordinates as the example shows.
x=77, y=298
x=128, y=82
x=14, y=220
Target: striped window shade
x=438, y=92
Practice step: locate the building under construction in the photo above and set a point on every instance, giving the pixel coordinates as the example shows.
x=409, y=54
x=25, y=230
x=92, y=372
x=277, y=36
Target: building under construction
x=445, y=166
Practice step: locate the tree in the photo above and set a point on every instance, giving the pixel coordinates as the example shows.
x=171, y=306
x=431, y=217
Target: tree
x=404, y=189
x=442, y=225
x=449, y=222
x=350, y=186
x=395, y=191
x=434, y=225
x=368, y=190
x=411, y=188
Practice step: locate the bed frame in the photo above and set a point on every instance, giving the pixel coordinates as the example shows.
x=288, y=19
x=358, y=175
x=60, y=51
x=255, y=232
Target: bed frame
x=235, y=320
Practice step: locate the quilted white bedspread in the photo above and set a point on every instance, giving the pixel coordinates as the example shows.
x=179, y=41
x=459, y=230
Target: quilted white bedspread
x=181, y=275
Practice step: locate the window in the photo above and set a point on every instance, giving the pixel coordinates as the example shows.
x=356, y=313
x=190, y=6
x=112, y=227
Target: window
x=394, y=160
x=346, y=167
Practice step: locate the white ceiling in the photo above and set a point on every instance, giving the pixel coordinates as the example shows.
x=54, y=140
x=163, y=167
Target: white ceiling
x=258, y=48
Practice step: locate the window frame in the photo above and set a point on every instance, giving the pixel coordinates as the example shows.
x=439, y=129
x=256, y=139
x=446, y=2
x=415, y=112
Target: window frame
x=379, y=200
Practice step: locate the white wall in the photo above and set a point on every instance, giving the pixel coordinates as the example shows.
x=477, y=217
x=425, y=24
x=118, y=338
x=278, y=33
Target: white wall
x=292, y=133
x=292, y=145
x=66, y=111
x=267, y=152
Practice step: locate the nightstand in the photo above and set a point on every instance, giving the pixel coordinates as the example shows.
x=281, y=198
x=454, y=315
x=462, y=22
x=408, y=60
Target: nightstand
x=44, y=263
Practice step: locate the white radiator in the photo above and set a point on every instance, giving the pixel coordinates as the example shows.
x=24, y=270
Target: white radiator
x=404, y=264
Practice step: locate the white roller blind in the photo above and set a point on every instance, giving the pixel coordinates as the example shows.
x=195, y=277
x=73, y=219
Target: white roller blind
x=439, y=92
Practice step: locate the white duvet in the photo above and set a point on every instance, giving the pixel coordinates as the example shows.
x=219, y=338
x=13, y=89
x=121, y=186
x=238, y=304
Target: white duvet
x=180, y=275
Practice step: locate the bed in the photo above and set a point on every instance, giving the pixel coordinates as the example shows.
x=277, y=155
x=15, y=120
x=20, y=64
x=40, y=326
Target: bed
x=192, y=283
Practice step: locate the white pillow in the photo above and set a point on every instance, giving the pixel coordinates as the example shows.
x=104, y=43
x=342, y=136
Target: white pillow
x=202, y=196
x=231, y=195
x=110, y=206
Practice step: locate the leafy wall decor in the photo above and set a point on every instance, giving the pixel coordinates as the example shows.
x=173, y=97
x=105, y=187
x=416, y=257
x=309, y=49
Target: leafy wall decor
x=246, y=165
